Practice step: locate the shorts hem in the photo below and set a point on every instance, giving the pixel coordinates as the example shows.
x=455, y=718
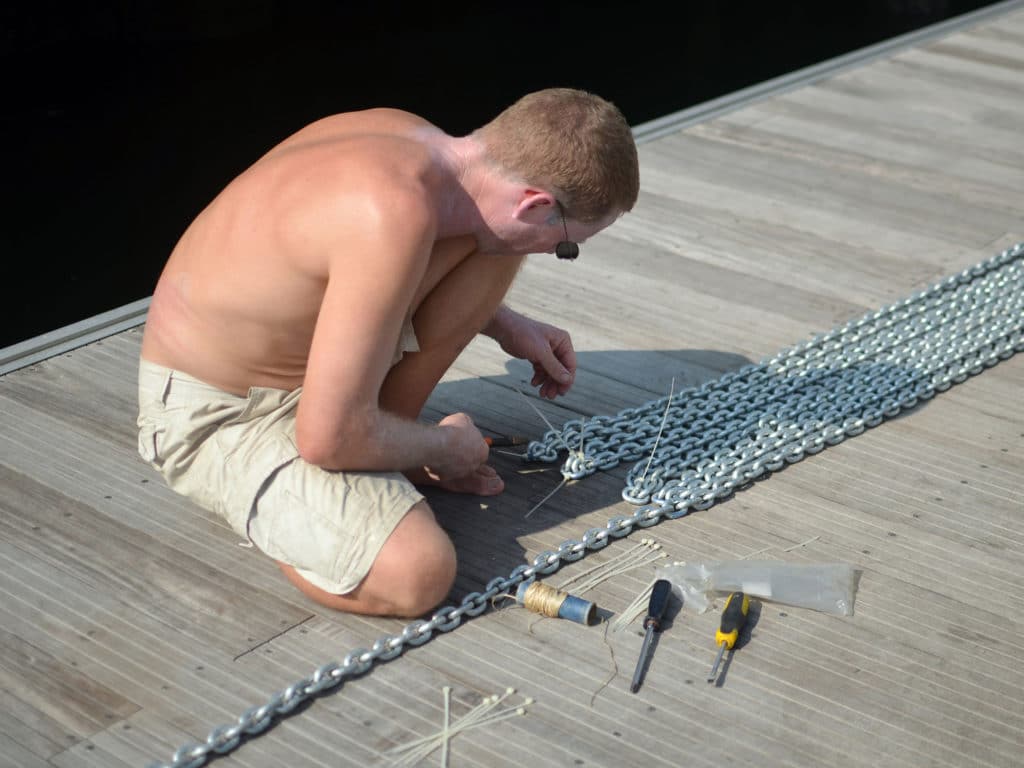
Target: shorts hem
x=374, y=544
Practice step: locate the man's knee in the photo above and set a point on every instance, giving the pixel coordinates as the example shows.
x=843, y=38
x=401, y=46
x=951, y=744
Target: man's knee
x=416, y=567
x=426, y=588
x=411, y=575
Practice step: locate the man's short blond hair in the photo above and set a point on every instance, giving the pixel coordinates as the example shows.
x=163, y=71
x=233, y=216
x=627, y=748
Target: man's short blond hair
x=573, y=144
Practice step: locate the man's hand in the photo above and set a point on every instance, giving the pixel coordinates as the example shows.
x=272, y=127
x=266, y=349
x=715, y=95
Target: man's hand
x=465, y=450
x=547, y=348
x=462, y=467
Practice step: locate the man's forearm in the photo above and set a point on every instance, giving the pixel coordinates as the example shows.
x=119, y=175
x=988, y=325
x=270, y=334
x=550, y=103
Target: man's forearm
x=378, y=441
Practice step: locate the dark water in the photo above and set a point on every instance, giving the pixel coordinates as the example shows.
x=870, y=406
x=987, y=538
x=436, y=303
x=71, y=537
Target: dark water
x=121, y=120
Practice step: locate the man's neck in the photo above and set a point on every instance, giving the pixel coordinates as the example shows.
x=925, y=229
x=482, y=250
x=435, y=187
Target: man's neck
x=466, y=178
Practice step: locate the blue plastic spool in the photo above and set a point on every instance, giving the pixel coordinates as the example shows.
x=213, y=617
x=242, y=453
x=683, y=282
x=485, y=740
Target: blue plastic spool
x=572, y=608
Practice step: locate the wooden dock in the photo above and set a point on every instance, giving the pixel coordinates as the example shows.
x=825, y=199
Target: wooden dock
x=132, y=623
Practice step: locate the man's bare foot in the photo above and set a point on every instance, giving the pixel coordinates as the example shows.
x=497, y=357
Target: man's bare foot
x=485, y=481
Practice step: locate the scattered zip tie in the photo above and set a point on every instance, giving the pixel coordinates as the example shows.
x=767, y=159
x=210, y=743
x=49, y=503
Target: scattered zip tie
x=661, y=429
x=788, y=549
x=646, y=559
x=446, y=732
x=645, y=553
x=478, y=715
x=598, y=570
x=508, y=453
x=634, y=609
x=630, y=613
x=550, y=425
x=482, y=714
x=539, y=503
x=567, y=447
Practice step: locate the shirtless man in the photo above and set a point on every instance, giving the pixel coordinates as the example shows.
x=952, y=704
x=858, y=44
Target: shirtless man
x=308, y=312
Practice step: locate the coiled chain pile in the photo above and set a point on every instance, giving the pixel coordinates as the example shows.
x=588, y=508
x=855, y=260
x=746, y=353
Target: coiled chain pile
x=701, y=444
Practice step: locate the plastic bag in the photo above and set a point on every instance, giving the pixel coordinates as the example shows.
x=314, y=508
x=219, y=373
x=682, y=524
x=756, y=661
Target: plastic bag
x=828, y=587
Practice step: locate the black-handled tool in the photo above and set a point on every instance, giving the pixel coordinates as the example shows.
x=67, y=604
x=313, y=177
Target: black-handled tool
x=652, y=623
x=506, y=442
x=734, y=616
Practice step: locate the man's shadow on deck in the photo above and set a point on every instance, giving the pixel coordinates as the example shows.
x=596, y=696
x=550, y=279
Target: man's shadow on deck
x=490, y=532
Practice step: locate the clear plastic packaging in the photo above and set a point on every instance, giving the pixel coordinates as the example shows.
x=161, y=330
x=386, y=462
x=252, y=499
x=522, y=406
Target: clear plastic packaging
x=826, y=587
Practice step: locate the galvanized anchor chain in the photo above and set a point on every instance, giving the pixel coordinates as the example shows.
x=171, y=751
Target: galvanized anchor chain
x=732, y=430
x=255, y=720
x=725, y=434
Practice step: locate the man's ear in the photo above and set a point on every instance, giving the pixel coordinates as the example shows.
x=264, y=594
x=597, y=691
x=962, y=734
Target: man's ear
x=535, y=206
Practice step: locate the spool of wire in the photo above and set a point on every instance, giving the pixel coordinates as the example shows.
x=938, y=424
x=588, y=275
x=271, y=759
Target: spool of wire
x=553, y=603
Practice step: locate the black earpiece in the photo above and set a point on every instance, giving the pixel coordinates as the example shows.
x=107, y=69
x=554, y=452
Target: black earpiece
x=567, y=250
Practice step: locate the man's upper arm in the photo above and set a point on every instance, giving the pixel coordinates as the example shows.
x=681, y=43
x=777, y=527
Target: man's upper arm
x=373, y=275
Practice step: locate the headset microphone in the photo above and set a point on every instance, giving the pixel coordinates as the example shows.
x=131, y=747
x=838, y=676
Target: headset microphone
x=566, y=249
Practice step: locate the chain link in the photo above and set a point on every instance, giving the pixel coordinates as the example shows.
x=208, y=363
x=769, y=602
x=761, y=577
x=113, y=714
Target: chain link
x=725, y=434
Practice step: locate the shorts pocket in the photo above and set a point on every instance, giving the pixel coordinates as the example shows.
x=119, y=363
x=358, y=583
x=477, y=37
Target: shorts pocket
x=298, y=519
x=150, y=435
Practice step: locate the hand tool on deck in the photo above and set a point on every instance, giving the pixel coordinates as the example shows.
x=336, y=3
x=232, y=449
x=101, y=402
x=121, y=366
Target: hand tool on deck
x=734, y=616
x=652, y=623
x=505, y=442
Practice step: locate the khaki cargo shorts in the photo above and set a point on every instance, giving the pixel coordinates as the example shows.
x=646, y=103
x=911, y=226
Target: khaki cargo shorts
x=236, y=456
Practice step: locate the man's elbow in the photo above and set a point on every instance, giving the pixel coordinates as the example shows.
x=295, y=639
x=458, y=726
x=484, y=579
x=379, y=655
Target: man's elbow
x=313, y=451
x=325, y=448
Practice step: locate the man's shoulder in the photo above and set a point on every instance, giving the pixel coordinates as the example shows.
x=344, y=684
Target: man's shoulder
x=360, y=176
x=380, y=202
x=382, y=125
x=383, y=150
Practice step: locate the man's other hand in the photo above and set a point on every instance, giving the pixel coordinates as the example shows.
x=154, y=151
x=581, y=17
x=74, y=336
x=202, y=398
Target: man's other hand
x=547, y=348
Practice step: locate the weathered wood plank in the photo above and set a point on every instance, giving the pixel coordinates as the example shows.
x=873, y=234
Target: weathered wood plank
x=794, y=188
x=60, y=388
x=15, y=755
x=111, y=479
x=104, y=556
x=64, y=696
x=1003, y=56
x=146, y=737
x=34, y=731
x=158, y=666
x=902, y=163
x=997, y=75
x=983, y=133
x=998, y=33
x=87, y=755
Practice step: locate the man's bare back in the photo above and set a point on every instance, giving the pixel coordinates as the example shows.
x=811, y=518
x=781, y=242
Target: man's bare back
x=239, y=298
